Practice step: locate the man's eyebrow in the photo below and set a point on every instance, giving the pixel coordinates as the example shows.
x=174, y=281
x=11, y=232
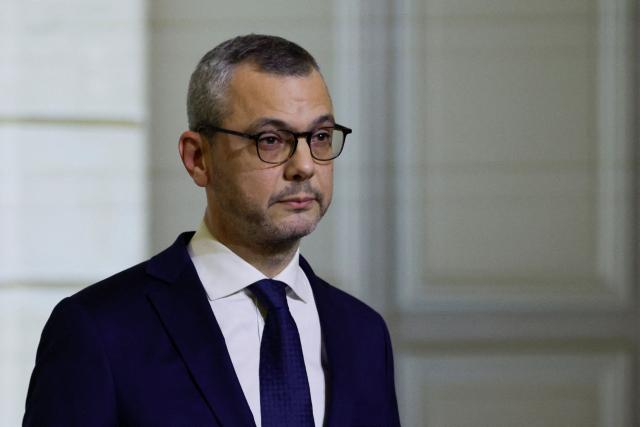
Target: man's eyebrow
x=280, y=124
x=323, y=119
x=262, y=122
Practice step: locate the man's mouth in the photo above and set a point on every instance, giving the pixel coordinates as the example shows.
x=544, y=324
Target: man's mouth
x=298, y=202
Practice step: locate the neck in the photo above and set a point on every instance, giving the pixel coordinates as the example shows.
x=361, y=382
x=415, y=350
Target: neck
x=268, y=258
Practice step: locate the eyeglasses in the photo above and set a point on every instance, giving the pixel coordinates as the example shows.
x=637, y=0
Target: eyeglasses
x=277, y=146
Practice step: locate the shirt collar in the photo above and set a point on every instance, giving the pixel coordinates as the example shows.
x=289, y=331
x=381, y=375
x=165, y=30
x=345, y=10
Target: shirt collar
x=223, y=273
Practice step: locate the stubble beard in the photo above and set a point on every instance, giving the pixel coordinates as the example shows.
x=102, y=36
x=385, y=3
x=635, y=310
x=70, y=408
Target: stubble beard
x=255, y=227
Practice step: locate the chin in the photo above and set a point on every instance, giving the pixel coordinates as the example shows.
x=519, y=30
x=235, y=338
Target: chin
x=291, y=231
x=299, y=230
x=290, y=227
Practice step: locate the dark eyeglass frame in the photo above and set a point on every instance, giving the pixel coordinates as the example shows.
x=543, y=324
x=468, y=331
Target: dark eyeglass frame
x=307, y=136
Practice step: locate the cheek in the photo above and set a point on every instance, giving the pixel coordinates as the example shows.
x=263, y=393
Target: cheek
x=325, y=181
x=325, y=176
x=257, y=186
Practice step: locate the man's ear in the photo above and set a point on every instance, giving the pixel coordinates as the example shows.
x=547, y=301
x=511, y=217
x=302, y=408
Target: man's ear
x=193, y=150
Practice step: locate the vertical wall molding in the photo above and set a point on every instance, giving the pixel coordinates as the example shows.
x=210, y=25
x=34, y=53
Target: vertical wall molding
x=615, y=184
x=349, y=170
x=364, y=54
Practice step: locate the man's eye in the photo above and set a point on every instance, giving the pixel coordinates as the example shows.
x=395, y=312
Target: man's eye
x=321, y=136
x=269, y=141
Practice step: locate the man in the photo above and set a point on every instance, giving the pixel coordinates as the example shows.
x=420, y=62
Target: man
x=230, y=326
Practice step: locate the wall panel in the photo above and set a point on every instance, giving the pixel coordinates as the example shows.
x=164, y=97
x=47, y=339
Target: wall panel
x=73, y=206
x=502, y=389
x=508, y=180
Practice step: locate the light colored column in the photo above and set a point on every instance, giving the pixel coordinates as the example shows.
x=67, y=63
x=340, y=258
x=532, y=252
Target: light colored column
x=72, y=163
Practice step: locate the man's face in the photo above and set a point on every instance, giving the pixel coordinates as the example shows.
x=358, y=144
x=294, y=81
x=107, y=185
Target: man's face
x=255, y=203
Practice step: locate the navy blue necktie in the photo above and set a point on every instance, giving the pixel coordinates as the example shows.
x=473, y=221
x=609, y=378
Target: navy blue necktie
x=284, y=389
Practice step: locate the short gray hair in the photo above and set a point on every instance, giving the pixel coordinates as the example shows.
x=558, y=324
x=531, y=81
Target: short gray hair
x=206, y=103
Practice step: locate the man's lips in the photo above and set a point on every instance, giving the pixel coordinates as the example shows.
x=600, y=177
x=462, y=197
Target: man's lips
x=298, y=202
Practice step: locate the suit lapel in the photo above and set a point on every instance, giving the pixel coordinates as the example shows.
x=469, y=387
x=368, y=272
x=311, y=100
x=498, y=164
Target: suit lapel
x=337, y=346
x=184, y=310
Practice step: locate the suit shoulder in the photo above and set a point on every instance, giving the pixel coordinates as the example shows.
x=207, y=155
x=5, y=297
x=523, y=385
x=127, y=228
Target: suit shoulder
x=135, y=280
x=124, y=283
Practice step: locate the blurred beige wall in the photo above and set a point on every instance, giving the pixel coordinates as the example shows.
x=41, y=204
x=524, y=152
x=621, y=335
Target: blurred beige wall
x=73, y=163
x=487, y=202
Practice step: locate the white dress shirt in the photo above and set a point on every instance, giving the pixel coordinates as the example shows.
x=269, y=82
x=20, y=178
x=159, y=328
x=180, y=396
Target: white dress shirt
x=225, y=277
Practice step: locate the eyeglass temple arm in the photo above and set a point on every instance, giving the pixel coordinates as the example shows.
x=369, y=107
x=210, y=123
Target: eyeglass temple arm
x=229, y=131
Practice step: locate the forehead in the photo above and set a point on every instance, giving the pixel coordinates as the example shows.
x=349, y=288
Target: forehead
x=254, y=95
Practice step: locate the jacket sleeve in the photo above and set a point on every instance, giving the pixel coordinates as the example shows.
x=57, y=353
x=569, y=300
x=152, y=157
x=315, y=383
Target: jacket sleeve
x=71, y=384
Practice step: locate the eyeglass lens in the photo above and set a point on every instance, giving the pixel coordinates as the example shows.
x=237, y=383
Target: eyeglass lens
x=276, y=146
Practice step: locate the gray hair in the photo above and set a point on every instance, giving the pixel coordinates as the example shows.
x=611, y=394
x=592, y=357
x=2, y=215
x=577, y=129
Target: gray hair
x=206, y=100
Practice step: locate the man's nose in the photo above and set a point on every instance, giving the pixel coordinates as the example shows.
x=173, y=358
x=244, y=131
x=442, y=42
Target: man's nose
x=301, y=165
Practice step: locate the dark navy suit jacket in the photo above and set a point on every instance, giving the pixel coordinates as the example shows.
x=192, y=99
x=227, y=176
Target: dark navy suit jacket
x=143, y=348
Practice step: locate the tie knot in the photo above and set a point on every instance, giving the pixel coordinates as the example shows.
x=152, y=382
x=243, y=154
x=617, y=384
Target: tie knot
x=271, y=293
